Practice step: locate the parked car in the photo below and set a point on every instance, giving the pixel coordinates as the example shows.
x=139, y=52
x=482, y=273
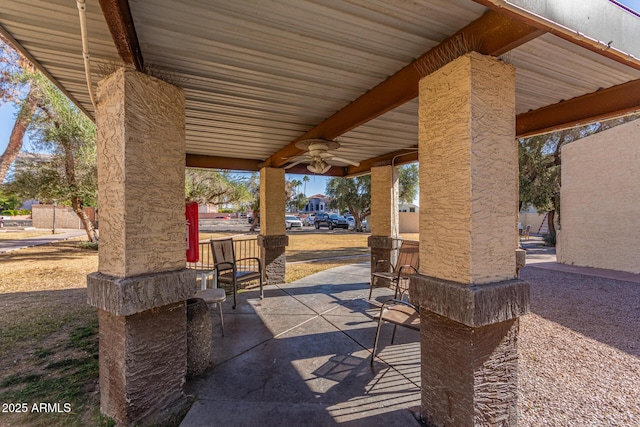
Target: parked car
x=351, y=220
x=330, y=220
x=292, y=222
x=309, y=219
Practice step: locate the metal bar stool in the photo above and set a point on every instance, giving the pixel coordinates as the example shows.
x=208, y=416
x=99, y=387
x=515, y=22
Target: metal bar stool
x=216, y=295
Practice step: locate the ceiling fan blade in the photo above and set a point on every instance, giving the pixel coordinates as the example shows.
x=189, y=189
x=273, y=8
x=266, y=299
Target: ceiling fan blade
x=340, y=159
x=297, y=162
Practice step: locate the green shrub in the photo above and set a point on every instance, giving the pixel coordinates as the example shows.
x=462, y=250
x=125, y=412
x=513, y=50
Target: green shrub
x=89, y=245
x=15, y=212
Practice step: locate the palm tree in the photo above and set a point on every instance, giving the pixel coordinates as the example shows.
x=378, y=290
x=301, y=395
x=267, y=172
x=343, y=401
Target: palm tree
x=305, y=180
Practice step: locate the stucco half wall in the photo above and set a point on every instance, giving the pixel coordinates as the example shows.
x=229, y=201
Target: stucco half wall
x=600, y=200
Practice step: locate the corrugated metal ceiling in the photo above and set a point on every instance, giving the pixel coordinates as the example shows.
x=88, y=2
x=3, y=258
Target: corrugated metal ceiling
x=259, y=74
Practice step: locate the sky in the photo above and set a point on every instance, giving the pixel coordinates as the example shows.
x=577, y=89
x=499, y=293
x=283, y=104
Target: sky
x=632, y=4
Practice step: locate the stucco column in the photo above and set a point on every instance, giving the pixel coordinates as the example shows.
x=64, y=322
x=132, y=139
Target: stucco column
x=384, y=215
x=469, y=297
x=142, y=284
x=273, y=240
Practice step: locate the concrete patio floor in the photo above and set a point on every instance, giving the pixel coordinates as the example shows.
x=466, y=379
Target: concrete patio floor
x=301, y=356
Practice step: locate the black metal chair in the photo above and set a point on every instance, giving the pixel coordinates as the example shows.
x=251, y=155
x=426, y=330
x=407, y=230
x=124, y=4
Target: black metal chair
x=232, y=271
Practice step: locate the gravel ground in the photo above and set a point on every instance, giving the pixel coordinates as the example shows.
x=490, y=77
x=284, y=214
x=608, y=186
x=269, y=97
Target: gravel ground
x=579, y=351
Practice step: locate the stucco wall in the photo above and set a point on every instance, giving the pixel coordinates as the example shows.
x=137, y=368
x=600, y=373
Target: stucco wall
x=600, y=200
x=409, y=222
x=468, y=171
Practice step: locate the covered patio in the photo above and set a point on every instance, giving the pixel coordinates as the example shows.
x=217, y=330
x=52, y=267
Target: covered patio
x=334, y=87
x=301, y=356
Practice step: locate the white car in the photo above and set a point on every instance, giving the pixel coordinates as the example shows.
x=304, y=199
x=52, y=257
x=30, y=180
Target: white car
x=309, y=219
x=292, y=222
x=352, y=221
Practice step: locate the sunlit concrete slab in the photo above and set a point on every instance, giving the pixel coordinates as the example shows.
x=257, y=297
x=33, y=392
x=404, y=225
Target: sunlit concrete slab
x=308, y=367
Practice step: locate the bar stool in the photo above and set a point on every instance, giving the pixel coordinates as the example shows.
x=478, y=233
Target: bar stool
x=216, y=295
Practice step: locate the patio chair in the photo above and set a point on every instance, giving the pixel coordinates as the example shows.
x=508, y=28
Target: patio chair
x=232, y=271
x=398, y=274
x=400, y=313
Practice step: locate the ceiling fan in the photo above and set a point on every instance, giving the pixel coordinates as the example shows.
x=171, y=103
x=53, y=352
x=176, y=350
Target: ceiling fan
x=318, y=155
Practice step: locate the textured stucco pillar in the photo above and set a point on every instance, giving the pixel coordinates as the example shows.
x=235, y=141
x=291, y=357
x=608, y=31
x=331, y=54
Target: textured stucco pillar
x=469, y=297
x=142, y=284
x=273, y=240
x=384, y=215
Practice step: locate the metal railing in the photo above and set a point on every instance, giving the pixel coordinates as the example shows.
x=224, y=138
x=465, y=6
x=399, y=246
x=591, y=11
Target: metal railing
x=244, y=247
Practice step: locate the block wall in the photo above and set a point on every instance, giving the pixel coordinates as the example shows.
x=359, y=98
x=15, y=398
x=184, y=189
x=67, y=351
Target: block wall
x=600, y=200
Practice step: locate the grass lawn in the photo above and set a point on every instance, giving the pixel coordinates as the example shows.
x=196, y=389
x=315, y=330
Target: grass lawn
x=49, y=350
x=23, y=234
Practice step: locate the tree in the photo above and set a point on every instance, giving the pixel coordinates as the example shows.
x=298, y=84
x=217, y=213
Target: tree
x=68, y=173
x=352, y=194
x=214, y=187
x=540, y=162
x=305, y=180
x=9, y=201
x=291, y=194
x=408, y=182
x=16, y=78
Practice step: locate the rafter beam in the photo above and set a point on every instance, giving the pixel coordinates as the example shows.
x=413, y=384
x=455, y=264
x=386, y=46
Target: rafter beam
x=493, y=32
x=123, y=31
x=600, y=105
x=530, y=16
x=228, y=163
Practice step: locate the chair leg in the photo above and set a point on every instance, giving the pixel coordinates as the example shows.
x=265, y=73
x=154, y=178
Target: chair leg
x=235, y=291
x=261, y=291
x=370, y=288
x=393, y=335
x=221, y=319
x=375, y=342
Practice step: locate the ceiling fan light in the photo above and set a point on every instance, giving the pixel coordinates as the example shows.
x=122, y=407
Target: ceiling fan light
x=326, y=167
x=318, y=166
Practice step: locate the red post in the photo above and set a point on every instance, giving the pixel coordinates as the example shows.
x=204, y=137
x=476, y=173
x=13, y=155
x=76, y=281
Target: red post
x=191, y=215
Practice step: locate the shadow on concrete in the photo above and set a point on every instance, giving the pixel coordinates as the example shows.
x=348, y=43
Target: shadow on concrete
x=301, y=356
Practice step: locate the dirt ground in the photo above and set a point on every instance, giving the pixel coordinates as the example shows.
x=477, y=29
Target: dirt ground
x=49, y=333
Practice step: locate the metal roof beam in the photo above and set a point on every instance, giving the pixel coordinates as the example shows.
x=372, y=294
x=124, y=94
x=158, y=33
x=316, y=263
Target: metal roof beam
x=600, y=105
x=599, y=26
x=493, y=33
x=228, y=163
x=123, y=31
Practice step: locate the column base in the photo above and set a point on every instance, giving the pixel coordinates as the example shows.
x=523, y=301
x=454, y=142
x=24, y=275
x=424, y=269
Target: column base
x=143, y=343
x=125, y=296
x=143, y=363
x=469, y=358
x=272, y=252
